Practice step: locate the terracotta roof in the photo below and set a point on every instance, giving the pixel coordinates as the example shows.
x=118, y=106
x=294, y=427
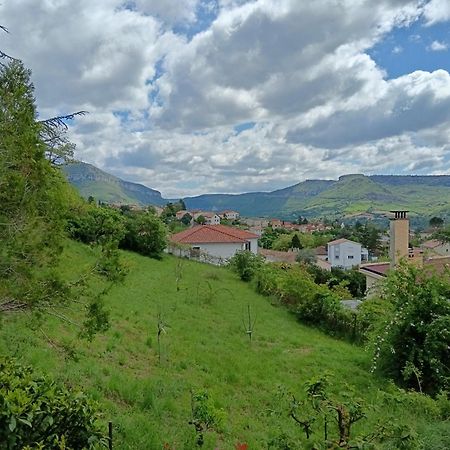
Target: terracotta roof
x=203, y=234
x=433, y=243
x=321, y=250
x=378, y=269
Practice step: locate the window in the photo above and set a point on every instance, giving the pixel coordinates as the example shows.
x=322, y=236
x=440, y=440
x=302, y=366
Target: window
x=195, y=252
x=247, y=246
x=350, y=256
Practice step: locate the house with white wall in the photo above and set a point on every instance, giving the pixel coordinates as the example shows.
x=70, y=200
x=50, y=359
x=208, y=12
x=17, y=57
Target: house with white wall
x=230, y=215
x=212, y=243
x=211, y=218
x=346, y=254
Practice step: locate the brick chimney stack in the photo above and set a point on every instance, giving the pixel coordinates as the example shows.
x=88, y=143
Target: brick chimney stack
x=399, y=237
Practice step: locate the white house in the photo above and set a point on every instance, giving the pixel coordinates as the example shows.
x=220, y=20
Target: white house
x=230, y=215
x=213, y=243
x=346, y=254
x=211, y=218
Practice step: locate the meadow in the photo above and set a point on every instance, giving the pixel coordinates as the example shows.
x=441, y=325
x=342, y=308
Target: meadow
x=145, y=389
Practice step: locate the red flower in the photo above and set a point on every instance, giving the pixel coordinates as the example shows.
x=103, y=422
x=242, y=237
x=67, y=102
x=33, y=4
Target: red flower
x=241, y=446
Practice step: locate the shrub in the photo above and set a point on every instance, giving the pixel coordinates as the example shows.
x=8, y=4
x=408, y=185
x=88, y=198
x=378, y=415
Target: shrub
x=96, y=225
x=414, y=348
x=37, y=412
x=245, y=264
x=145, y=234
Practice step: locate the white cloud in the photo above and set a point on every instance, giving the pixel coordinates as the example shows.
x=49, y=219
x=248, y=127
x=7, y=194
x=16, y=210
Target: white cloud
x=437, y=46
x=437, y=11
x=397, y=49
x=170, y=11
x=163, y=106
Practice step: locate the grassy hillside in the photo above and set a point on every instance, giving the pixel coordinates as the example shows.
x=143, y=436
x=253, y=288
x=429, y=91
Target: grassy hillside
x=91, y=181
x=351, y=194
x=204, y=347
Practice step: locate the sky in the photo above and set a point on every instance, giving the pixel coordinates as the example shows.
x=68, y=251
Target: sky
x=208, y=96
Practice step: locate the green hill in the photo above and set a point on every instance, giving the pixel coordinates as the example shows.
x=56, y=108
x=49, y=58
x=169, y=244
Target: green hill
x=91, y=181
x=204, y=347
x=349, y=195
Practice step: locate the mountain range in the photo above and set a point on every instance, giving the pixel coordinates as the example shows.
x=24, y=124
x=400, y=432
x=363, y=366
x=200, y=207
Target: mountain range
x=350, y=195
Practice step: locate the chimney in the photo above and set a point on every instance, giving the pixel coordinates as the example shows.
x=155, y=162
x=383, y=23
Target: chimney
x=399, y=237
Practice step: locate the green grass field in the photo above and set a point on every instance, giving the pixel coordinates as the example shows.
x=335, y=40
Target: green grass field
x=204, y=347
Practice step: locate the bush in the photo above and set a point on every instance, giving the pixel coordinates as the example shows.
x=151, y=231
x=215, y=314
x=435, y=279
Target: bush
x=96, y=225
x=145, y=234
x=414, y=347
x=245, y=264
x=37, y=412
x=314, y=304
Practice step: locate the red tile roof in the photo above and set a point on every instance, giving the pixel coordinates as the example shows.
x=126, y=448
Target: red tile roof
x=378, y=269
x=433, y=243
x=203, y=234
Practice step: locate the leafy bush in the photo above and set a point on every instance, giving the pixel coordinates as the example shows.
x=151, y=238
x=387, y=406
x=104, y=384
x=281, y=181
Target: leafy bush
x=414, y=348
x=96, y=225
x=145, y=234
x=39, y=413
x=245, y=264
x=205, y=415
x=315, y=304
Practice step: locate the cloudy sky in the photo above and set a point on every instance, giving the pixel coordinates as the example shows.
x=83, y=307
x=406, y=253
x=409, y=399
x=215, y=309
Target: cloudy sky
x=197, y=96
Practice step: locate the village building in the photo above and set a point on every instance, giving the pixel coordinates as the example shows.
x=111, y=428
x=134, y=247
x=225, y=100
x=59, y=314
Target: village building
x=180, y=214
x=211, y=218
x=346, y=254
x=321, y=253
x=212, y=243
x=399, y=250
x=229, y=215
x=435, y=247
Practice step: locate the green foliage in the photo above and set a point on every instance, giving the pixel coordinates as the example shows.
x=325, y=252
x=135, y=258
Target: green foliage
x=414, y=347
x=270, y=235
x=186, y=219
x=282, y=242
x=96, y=225
x=150, y=403
x=436, y=222
x=169, y=212
x=145, y=234
x=312, y=303
x=295, y=242
x=306, y=256
x=205, y=416
x=200, y=220
x=354, y=281
x=327, y=420
x=33, y=196
x=245, y=264
x=36, y=412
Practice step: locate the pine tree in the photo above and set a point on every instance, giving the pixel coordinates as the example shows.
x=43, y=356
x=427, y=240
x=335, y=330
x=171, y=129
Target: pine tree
x=32, y=197
x=295, y=243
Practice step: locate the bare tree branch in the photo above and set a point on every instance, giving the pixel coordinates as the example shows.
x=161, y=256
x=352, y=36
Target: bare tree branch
x=60, y=121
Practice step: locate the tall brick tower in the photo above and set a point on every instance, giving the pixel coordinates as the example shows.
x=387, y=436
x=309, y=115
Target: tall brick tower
x=399, y=237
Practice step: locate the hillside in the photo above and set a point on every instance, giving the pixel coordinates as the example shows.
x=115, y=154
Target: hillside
x=349, y=195
x=204, y=347
x=89, y=180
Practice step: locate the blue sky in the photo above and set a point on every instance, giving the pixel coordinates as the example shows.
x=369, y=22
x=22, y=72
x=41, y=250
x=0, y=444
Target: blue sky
x=407, y=49
x=197, y=96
